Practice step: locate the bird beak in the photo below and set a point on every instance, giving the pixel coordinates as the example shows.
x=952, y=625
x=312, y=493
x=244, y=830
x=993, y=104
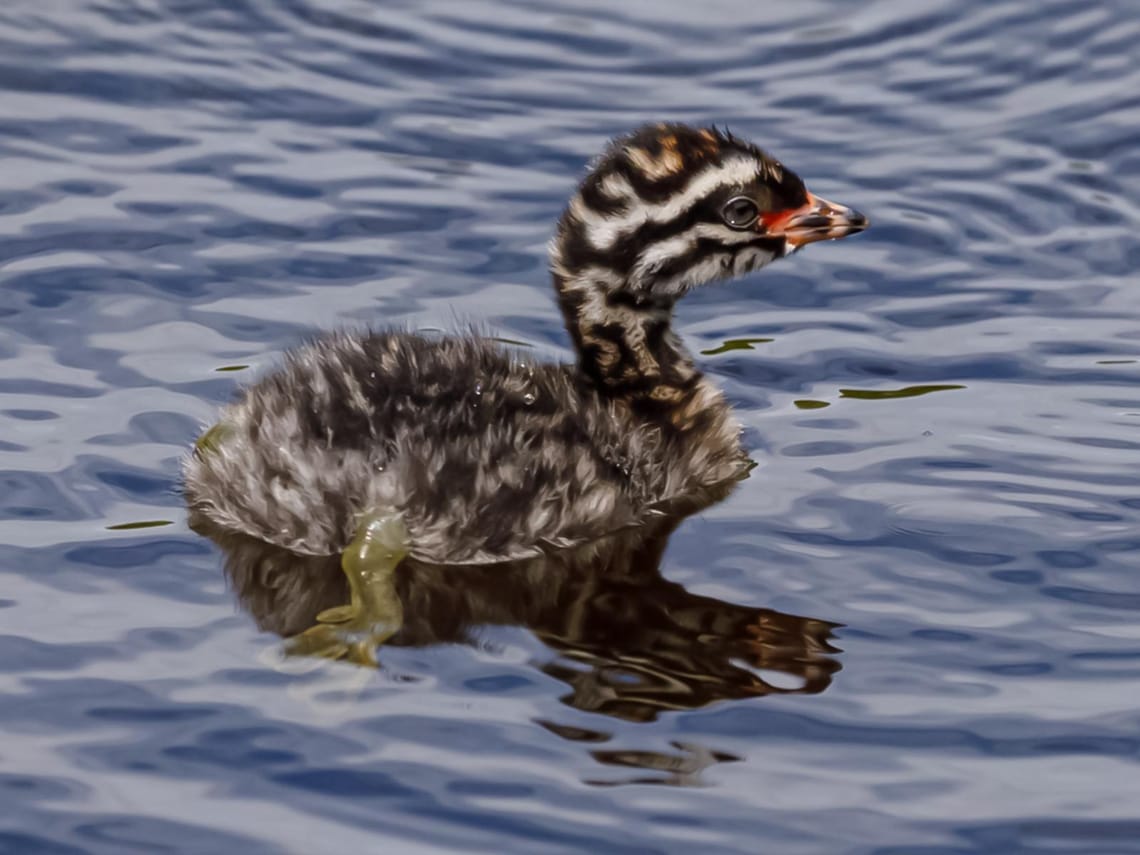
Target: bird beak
x=817, y=219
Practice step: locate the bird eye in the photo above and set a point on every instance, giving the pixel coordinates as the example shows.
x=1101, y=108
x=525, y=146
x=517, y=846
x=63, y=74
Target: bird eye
x=740, y=212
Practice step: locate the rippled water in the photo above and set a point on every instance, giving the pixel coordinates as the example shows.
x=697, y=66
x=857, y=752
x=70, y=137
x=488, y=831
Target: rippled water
x=945, y=410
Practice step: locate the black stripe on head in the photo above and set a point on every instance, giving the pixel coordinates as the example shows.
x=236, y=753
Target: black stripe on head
x=702, y=249
x=659, y=159
x=654, y=190
x=575, y=250
x=706, y=248
x=787, y=193
x=578, y=252
x=629, y=246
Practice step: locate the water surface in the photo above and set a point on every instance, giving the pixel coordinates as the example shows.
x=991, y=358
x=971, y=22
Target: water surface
x=945, y=412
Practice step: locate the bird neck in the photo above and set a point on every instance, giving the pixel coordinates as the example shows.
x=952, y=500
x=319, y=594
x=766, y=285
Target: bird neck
x=625, y=342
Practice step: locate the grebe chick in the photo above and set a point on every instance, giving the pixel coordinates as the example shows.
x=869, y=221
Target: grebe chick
x=482, y=455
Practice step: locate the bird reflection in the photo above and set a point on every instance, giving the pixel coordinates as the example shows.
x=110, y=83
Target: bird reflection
x=629, y=643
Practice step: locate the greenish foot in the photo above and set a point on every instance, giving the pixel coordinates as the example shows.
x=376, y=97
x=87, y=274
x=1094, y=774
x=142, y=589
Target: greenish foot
x=212, y=439
x=374, y=612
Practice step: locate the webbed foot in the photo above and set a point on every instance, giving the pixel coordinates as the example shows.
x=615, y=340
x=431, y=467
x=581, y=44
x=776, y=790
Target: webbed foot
x=374, y=613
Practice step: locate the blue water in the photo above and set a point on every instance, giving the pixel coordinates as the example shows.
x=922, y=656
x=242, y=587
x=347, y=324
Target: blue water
x=191, y=187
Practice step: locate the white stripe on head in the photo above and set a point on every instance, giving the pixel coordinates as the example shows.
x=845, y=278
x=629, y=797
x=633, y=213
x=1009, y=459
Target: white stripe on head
x=708, y=269
x=603, y=231
x=656, y=255
x=718, y=265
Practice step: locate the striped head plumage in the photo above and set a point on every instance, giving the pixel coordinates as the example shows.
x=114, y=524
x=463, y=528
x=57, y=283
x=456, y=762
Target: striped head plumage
x=664, y=210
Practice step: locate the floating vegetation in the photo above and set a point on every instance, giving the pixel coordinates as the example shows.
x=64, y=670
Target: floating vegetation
x=736, y=344
x=130, y=526
x=809, y=404
x=232, y=368
x=886, y=394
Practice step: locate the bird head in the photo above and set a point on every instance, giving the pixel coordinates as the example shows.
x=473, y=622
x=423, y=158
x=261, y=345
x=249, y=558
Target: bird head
x=671, y=207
